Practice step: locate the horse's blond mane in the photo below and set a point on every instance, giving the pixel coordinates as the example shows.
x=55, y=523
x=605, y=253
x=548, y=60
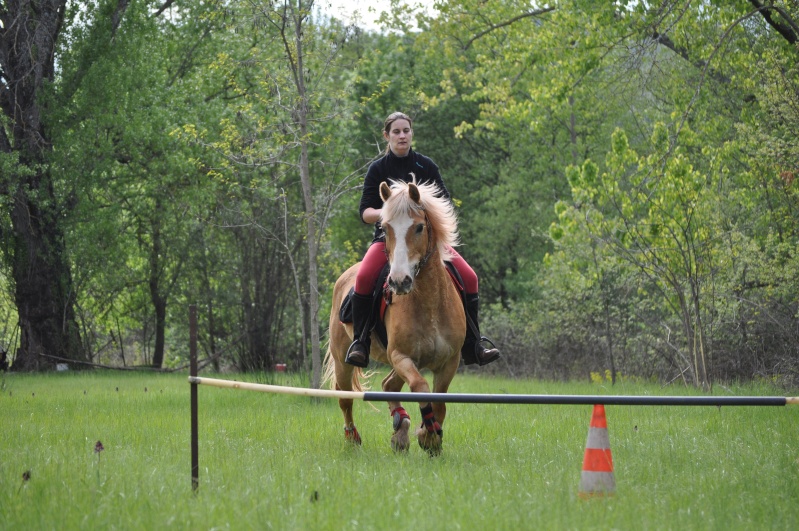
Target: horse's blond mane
x=440, y=212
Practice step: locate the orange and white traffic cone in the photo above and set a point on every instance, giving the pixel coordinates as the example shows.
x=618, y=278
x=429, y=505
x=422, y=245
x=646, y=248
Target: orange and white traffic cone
x=597, y=475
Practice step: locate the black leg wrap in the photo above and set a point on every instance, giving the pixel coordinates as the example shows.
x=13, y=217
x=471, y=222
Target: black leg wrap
x=429, y=420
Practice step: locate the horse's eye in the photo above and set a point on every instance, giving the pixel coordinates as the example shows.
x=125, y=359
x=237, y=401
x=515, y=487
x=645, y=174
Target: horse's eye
x=419, y=228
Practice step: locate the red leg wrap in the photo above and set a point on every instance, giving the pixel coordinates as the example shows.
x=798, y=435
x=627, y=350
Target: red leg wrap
x=352, y=435
x=399, y=414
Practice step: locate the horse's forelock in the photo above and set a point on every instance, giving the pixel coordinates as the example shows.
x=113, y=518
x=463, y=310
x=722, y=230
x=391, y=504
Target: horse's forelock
x=399, y=204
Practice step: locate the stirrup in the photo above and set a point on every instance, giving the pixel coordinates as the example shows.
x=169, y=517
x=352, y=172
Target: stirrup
x=493, y=352
x=357, y=357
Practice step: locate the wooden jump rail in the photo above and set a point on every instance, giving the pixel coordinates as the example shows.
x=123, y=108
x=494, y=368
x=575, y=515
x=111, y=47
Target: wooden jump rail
x=469, y=398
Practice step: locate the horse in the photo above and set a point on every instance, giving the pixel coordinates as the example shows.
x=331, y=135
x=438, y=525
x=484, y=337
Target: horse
x=425, y=321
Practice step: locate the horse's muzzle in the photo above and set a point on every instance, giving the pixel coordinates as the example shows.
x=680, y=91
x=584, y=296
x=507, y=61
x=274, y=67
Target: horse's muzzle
x=402, y=287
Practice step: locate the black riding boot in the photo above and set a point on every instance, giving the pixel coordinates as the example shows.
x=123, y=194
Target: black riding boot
x=473, y=351
x=358, y=353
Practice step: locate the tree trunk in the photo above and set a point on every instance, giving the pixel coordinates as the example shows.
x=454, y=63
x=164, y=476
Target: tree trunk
x=313, y=310
x=44, y=296
x=44, y=293
x=310, y=210
x=160, y=327
x=157, y=296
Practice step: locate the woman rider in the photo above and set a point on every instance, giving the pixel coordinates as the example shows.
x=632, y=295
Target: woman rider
x=402, y=163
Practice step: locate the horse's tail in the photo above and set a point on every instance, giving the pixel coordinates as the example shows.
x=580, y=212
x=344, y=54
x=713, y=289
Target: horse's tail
x=329, y=377
x=358, y=378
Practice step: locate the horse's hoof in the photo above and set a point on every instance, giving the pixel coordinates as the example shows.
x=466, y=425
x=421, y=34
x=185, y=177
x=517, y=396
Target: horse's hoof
x=400, y=442
x=429, y=441
x=352, y=435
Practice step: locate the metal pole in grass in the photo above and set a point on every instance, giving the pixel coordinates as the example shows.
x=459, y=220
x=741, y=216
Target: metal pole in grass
x=469, y=398
x=195, y=462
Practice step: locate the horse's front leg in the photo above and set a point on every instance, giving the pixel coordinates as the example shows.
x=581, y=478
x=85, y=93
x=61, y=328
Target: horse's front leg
x=400, y=441
x=431, y=432
x=441, y=381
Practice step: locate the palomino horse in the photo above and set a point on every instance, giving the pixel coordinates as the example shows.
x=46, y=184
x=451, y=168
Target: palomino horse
x=425, y=321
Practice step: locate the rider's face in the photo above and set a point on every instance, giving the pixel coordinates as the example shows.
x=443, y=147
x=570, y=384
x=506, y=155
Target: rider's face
x=399, y=137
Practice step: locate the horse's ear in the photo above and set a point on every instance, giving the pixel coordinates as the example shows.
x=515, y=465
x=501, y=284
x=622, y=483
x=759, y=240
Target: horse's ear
x=413, y=193
x=385, y=191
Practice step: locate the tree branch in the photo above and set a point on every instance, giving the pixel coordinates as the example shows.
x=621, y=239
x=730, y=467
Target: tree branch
x=789, y=31
x=116, y=17
x=665, y=40
x=716, y=48
x=166, y=5
x=507, y=23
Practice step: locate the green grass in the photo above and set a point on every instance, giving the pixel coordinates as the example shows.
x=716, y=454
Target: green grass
x=281, y=462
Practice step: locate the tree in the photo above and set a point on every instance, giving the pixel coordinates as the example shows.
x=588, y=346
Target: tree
x=655, y=213
x=132, y=188
x=525, y=83
x=552, y=83
x=675, y=213
x=44, y=292
x=288, y=119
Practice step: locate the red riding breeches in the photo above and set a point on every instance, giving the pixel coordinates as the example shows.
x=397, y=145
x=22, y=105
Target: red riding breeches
x=375, y=259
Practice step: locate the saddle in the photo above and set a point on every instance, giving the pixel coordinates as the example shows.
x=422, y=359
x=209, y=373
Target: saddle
x=381, y=299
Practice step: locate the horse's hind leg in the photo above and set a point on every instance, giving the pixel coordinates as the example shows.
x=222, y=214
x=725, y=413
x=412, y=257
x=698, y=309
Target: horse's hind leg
x=345, y=375
x=350, y=431
x=400, y=441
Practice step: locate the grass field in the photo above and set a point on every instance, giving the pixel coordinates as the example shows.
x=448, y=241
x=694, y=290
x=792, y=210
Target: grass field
x=281, y=462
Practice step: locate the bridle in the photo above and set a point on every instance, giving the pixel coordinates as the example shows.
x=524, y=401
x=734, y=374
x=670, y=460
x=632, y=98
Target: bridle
x=430, y=247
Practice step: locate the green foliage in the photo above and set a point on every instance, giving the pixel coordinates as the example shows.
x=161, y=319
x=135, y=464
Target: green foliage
x=657, y=217
x=541, y=98
x=642, y=245
x=625, y=175
x=135, y=190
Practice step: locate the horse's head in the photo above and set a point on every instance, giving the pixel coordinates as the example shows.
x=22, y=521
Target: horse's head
x=418, y=226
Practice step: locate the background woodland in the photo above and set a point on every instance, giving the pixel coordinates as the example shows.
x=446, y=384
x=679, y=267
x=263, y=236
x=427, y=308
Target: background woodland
x=624, y=174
